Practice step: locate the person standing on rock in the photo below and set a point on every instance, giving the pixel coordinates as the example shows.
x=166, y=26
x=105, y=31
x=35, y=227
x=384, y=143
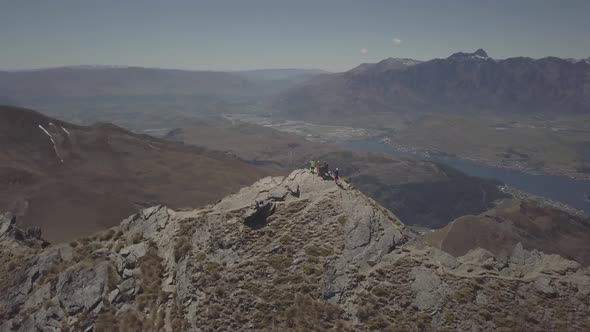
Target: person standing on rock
x=312, y=166
x=336, y=172
x=317, y=167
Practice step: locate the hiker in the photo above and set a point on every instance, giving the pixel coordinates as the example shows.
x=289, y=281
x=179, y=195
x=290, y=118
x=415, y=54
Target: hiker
x=323, y=171
x=317, y=167
x=312, y=166
x=336, y=174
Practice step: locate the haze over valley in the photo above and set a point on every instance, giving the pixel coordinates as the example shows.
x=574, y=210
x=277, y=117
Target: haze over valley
x=296, y=166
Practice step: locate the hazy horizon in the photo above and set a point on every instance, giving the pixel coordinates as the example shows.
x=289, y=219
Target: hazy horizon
x=237, y=35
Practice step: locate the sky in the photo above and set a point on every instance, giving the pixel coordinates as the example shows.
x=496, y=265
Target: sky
x=254, y=34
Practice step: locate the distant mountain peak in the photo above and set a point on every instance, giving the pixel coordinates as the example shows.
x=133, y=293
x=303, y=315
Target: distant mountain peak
x=386, y=64
x=478, y=54
x=404, y=61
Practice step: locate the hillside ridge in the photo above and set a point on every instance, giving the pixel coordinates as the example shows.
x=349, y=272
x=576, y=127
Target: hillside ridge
x=294, y=252
x=75, y=180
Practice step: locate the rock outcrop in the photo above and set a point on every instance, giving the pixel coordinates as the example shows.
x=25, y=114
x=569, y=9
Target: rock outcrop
x=11, y=232
x=287, y=253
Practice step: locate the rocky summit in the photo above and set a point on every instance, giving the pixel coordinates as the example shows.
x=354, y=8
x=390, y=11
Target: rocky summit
x=287, y=253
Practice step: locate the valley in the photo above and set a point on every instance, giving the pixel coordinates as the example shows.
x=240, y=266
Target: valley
x=531, y=145
x=333, y=166
x=400, y=184
x=560, y=187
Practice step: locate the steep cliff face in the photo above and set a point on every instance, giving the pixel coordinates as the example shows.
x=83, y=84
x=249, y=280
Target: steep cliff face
x=287, y=253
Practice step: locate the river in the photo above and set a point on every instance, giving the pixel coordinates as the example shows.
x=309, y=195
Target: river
x=558, y=188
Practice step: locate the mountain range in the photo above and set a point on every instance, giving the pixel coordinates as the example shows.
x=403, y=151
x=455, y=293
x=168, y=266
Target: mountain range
x=97, y=81
x=463, y=82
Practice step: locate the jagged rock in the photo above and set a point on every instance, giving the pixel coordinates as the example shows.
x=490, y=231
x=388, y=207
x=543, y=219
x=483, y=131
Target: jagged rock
x=335, y=281
x=429, y=288
x=444, y=259
x=477, y=256
x=114, y=295
x=322, y=255
x=127, y=287
x=520, y=256
x=133, y=253
x=82, y=288
x=279, y=194
x=48, y=319
x=24, y=280
x=258, y=213
x=136, y=251
x=368, y=237
x=543, y=285
x=7, y=223
x=119, y=262
x=101, y=252
x=29, y=237
x=38, y=297
x=147, y=223
x=127, y=273
x=554, y=264
x=184, y=285
x=501, y=262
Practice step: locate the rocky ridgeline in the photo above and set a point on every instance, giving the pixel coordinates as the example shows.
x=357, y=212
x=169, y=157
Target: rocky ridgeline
x=292, y=253
x=15, y=237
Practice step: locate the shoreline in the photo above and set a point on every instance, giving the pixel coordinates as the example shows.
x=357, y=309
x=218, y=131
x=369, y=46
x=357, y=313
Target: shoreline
x=427, y=154
x=542, y=201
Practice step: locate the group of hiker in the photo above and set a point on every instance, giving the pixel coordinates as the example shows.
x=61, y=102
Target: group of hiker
x=322, y=169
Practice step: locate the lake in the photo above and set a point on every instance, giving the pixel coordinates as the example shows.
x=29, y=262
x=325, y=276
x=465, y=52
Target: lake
x=559, y=188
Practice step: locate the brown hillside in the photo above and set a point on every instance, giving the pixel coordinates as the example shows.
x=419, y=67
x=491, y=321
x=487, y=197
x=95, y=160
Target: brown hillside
x=499, y=230
x=71, y=180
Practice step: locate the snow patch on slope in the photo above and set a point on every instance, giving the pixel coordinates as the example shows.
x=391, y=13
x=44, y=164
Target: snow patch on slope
x=66, y=131
x=52, y=141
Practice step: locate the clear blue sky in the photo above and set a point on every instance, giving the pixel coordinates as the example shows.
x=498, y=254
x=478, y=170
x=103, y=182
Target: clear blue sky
x=248, y=34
